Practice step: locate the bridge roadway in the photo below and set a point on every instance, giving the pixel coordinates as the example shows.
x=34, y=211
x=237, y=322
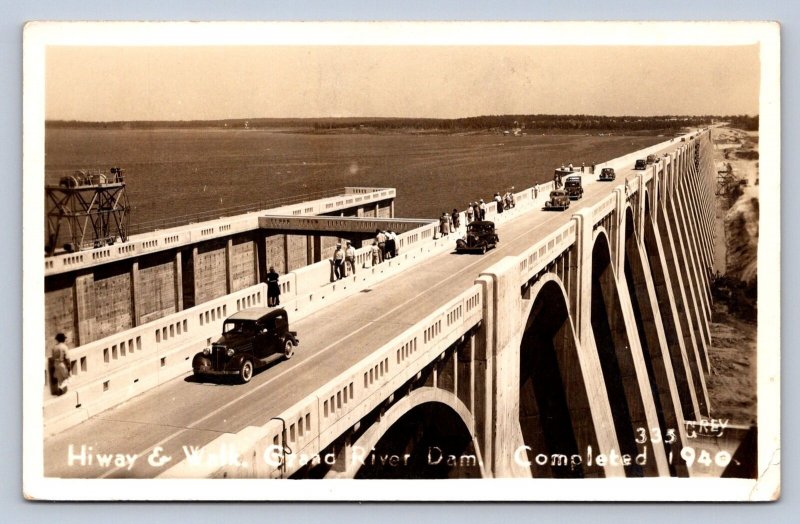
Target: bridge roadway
x=188, y=413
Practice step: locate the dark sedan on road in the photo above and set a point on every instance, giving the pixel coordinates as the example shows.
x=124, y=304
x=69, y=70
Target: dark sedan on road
x=481, y=236
x=607, y=173
x=251, y=339
x=558, y=200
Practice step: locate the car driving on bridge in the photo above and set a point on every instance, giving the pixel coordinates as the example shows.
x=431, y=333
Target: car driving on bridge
x=573, y=186
x=640, y=164
x=607, y=173
x=558, y=200
x=251, y=339
x=481, y=236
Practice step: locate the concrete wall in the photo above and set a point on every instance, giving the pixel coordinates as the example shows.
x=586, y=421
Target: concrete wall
x=112, y=300
x=96, y=293
x=156, y=292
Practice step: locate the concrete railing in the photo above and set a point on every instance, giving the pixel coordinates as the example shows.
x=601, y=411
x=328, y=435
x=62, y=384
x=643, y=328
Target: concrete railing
x=193, y=233
x=314, y=422
x=353, y=196
x=536, y=258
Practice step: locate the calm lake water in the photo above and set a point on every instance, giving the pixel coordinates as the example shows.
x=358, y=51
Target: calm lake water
x=174, y=173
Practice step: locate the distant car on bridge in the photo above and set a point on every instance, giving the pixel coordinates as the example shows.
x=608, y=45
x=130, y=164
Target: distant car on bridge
x=481, y=236
x=251, y=338
x=573, y=186
x=558, y=200
x=607, y=173
x=640, y=164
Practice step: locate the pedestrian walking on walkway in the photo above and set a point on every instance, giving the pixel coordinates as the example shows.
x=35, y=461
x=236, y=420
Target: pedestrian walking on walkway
x=456, y=217
x=470, y=213
x=482, y=206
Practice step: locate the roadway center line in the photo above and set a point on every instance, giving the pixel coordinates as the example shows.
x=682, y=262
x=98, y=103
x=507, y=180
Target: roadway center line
x=326, y=348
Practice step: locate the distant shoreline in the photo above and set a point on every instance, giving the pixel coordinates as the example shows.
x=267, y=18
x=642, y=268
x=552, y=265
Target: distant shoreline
x=515, y=125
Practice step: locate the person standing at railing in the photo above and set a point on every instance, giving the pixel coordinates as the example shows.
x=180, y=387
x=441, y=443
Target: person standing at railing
x=482, y=207
x=380, y=238
x=350, y=257
x=456, y=217
x=61, y=363
x=375, y=251
x=470, y=213
x=391, y=243
x=444, y=224
x=273, y=288
x=499, y=201
x=338, y=262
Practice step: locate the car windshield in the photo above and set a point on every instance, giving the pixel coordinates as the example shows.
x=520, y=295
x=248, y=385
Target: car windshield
x=607, y=170
x=572, y=183
x=238, y=326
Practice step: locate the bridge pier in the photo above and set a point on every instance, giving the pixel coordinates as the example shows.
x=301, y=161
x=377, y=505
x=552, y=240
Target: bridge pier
x=664, y=378
x=669, y=250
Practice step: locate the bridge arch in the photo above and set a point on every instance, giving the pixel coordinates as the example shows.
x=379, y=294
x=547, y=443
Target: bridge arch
x=554, y=414
x=431, y=431
x=616, y=358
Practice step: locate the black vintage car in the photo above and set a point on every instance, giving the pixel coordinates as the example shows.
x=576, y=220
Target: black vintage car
x=558, y=200
x=640, y=164
x=251, y=339
x=607, y=173
x=573, y=186
x=480, y=237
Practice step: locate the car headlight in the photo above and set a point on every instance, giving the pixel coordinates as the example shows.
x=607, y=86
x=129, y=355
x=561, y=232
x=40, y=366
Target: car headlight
x=229, y=352
x=206, y=351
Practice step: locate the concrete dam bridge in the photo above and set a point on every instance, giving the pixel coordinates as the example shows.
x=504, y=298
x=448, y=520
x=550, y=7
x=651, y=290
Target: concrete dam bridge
x=577, y=348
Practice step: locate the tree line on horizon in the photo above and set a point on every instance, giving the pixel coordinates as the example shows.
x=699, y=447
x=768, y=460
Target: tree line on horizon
x=499, y=123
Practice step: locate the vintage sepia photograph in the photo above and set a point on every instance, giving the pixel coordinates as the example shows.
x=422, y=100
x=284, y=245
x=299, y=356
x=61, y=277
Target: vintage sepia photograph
x=369, y=261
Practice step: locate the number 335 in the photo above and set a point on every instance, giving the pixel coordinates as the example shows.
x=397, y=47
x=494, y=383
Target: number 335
x=655, y=436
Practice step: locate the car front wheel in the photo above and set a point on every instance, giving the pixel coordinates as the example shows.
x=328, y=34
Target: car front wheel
x=288, y=349
x=246, y=371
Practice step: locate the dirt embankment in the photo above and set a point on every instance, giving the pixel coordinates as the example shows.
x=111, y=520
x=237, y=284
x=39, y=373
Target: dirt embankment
x=732, y=383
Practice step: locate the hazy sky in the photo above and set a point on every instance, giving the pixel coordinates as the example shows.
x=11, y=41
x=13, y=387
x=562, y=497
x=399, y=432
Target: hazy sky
x=182, y=83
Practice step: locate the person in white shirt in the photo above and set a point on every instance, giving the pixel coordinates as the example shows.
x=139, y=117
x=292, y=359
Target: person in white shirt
x=350, y=257
x=338, y=262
